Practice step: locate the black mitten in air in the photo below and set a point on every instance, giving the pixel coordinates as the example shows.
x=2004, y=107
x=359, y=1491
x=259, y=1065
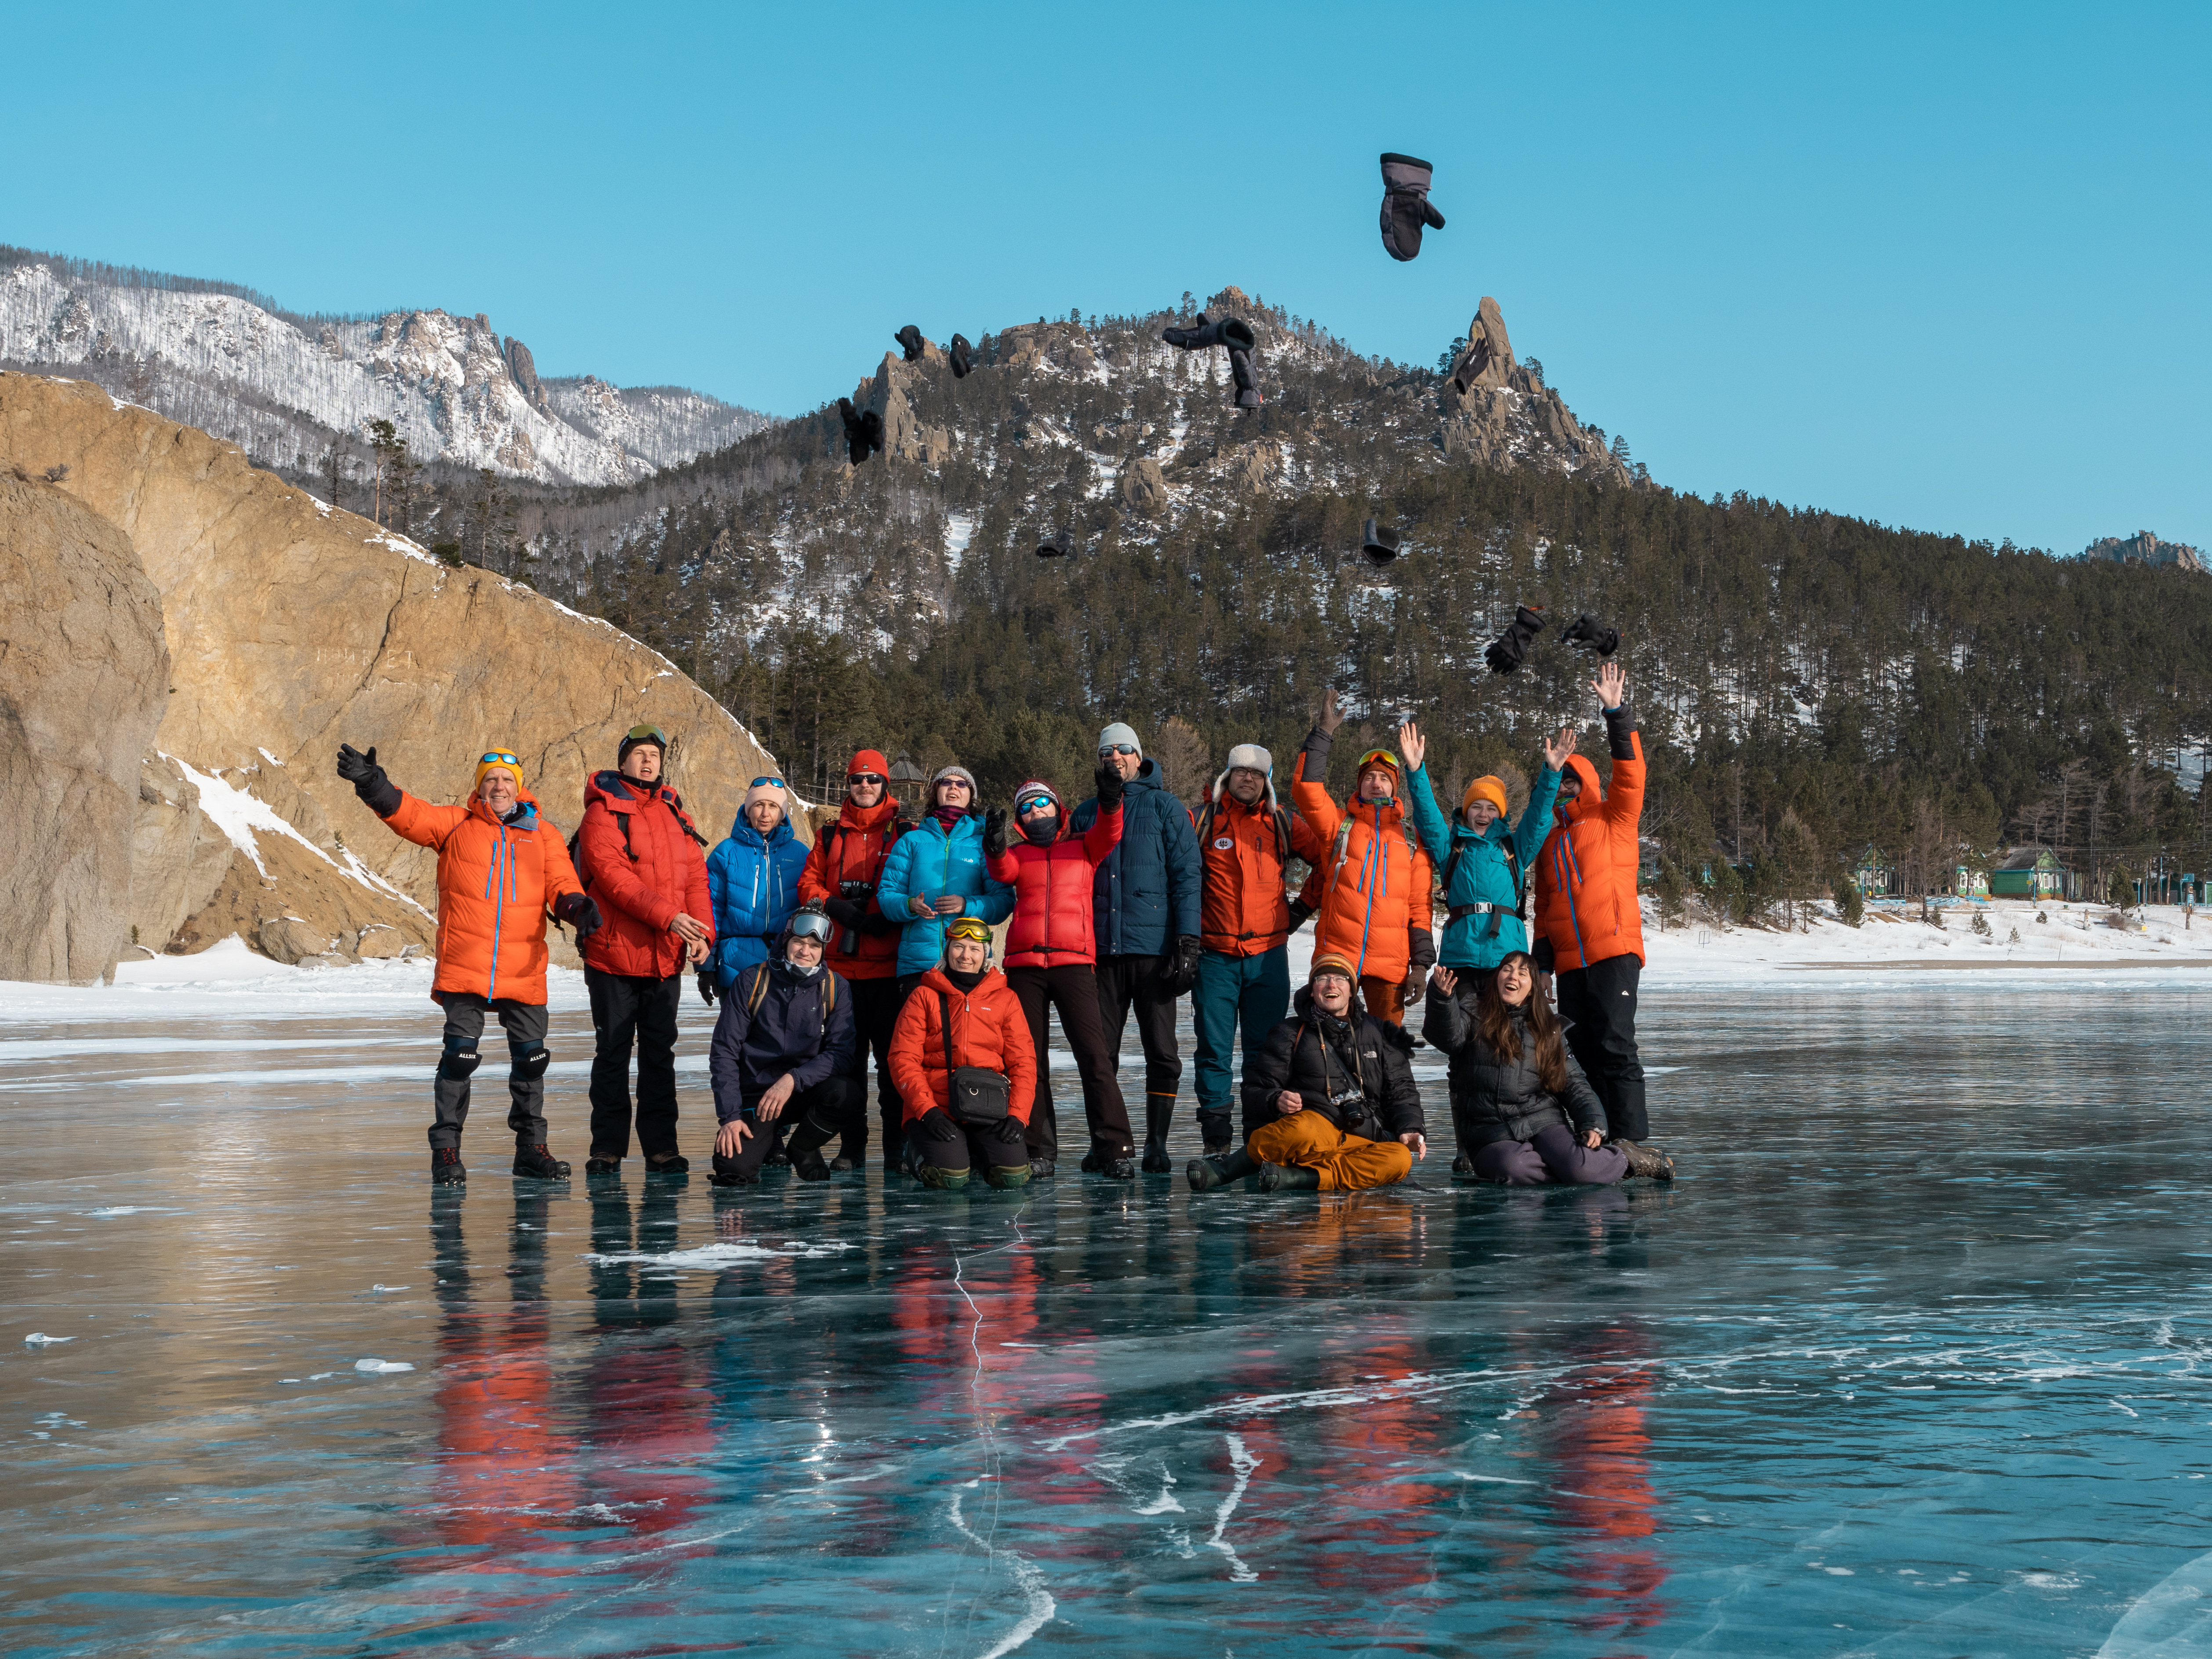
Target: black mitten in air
x=1509, y=649
x=1406, y=204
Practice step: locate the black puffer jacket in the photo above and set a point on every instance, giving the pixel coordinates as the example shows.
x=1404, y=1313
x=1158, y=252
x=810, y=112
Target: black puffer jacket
x=1367, y=1055
x=1494, y=1098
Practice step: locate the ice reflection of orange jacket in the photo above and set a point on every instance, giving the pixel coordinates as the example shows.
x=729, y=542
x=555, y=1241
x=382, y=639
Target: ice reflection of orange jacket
x=1586, y=874
x=495, y=883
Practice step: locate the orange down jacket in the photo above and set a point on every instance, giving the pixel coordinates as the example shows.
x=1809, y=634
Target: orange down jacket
x=496, y=884
x=1377, y=882
x=1586, y=874
x=989, y=1029
x=1243, y=909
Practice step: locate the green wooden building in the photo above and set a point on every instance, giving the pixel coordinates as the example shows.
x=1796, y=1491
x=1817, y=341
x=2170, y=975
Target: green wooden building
x=2029, y=873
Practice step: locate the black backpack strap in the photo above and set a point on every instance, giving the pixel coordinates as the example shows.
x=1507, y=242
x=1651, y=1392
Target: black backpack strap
x=945, y=1013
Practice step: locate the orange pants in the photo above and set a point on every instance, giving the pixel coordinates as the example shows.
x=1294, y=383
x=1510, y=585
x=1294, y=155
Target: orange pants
x=1385, y=999
x=1347, y=1163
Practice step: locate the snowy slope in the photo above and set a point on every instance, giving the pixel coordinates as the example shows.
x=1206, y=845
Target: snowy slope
x=280, y=386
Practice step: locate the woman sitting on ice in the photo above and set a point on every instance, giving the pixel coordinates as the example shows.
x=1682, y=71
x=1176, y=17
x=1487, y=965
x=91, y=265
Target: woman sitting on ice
x=1513, y=1086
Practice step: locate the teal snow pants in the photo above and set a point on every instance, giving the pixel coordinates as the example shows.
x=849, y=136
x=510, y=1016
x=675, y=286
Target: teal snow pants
x=1254, y=989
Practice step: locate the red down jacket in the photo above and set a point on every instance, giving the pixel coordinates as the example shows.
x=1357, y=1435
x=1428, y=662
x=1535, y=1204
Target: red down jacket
x=642, y=867
x=851, y=853
x=1051, y=926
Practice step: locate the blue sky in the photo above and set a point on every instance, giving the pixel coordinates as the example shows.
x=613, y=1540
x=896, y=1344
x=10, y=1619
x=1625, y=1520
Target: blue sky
x=1939, y=266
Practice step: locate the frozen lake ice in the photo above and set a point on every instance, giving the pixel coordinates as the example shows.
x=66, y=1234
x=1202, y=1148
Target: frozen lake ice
x=1909, y=1361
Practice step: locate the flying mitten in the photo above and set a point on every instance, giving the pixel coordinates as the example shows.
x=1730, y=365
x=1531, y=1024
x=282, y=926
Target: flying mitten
x=1406, y=204
x=1058, y=545
x=1380, y=542
x=1587, y=633
x=1511, y=648
x=1248, y=383
x=1231, y=332
x=864, y=430
x=959, y=354
x=909, y=339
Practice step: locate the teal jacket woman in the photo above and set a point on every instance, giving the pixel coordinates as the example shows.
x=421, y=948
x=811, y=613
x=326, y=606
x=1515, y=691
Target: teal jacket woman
x=941, y=858
x=1488, y=866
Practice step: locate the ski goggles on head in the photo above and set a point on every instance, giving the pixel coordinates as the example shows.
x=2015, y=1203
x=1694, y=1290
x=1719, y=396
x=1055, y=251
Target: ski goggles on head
x=809, y=924
x=1381, y=755
x=773, y=783
x=651, y=734
x=1028, y=804
x=973, y=927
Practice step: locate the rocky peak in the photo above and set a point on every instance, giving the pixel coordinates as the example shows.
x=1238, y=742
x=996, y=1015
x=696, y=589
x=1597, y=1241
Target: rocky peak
x=524, y=371
x=2144, y=548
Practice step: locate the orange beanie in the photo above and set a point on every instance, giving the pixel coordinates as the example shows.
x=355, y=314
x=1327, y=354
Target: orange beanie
x=1490, y=789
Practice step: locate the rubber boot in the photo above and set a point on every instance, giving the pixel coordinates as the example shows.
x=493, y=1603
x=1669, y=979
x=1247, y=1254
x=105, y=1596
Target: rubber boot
x=1213, y=1130
x=533, y=1161
x=1289, y=1178
x=1159, y=1116
x=446, y=1168
x=805, y=1147
x=1205, y=1174
x=1006, y=1176
x=945, y=1181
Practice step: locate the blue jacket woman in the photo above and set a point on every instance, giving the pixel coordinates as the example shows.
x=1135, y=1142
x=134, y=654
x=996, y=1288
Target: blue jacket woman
x=941, y=858
x=752, y=879
x=1489, y=866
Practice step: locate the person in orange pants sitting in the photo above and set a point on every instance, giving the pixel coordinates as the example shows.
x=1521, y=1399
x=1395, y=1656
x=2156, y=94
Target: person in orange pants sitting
x=1329, y=1101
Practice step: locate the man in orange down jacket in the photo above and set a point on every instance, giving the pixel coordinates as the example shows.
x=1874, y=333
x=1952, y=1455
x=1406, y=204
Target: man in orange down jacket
x=1591, y=928
x=1245, y=839
x=1377, y=881
x=841, y=874
x=641, y=861
x=962, y=1013
x=500, y=867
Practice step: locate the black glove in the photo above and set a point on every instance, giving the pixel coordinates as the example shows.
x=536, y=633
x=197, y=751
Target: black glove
x=844, y=912
x=708, y=990
x=959, y=355
x=1107, y=783
x=909, y=339
x=1203, y=335
x=864, y=430
x=1406, y=204
x=1542, y=953
x=994, y=832
x=936, y=1124
x=1058, y=545
x=1301, y=914
x=579, y=912
x=1507, y=652
x=377, y=792
x=1248, y=383
x=1009, y=1131
x=1587, y=633
x=1180, y=967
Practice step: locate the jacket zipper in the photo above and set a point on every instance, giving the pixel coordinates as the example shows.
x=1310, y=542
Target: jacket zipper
x=499, y=908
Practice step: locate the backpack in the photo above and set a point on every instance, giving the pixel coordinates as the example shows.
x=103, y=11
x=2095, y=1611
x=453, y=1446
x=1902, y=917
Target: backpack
x=758, y=994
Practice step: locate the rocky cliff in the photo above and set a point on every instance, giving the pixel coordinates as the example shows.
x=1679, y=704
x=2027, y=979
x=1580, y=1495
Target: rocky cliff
x=290, y=627
x=2143, y=547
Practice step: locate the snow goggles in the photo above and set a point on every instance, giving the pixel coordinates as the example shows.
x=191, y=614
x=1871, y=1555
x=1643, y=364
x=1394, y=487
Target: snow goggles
x=1030, y=804
x=973, y=927
x=773, y=783
x=1381, y=754
x=498, y=757
x=646, y=734
x=809, y=924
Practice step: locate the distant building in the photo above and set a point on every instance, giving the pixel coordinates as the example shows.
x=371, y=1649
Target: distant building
x=1873, y=876
x=907, y=779
x=2143, y=547
x=2029, y=873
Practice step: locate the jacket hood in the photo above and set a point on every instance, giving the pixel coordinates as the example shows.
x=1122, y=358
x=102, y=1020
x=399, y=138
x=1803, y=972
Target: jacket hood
x=746, y=835
x=934, y=980
x=1593, y=794
x=1149, y=776
x=616, y=792
x=868, y=818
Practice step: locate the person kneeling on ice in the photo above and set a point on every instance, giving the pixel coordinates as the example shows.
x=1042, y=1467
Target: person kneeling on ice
x=1329, y=1100
x=783, y=1048
x=500, y=869
x=1513, y=1086
x=965, y=1070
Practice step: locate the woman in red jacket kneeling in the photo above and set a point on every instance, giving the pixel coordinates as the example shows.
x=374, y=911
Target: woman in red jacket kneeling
x=964, y=1016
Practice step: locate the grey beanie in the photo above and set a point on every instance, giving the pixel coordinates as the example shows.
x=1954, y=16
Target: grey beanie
x=1251, y=756
x=945, y=772
x=1119, y=733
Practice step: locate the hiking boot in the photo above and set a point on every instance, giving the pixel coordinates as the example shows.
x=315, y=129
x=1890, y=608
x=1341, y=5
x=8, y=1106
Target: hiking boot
x=446, y=1166
x=533, y=1161
x=843, y=1165
x=1041, y=1167
x=1114, y=1166
x=730, y=1175
x=1205, y=1174
x=664, y=1163
x=1645, y=1159
x=598, y=1166
x=1463, y=1170
x=1289, y=1178
x=809, y=1166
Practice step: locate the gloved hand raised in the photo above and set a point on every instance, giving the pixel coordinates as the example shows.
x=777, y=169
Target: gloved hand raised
x=1108, y=785
x=994, y=832
x=936, y=1124
x=581, y=914
x=376, y=791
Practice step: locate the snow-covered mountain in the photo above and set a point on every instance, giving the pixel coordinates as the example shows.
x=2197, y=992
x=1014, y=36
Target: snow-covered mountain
x=281, y=386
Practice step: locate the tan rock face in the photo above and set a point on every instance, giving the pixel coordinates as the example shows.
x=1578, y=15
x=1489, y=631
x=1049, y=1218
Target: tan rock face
x=1145, y=487
x=292, y=628
x=84, y=675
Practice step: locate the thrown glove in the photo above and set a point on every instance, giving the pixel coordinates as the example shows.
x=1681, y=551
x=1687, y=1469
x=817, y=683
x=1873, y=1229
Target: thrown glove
x=1587, y=633
x=1009, y=1131
x=1107, y=783
x=1179, y=969
x=909, y=339
x=708, y=990
x=1203, y=335
x=994, y=832
x=581, y=914
x=864, y=430
x=1248, y=383
x=1058, y=545
x=1507, y=652
x=1406, y=204
x=959, y=355
x=1380, y=542
x=936, y=1124
x=377, y=792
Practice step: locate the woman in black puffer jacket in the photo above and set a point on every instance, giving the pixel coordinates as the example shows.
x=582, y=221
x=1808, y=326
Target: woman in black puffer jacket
x=1513, y=1087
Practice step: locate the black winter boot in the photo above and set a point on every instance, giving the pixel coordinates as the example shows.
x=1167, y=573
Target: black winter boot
x=532, y=1160
x=1289, y=1178
x=727, y=1174
x=1114, y=1166
x=446, y=1166
x=1159, y=1117
x=805, y=1149
x=598, y=1166
x=1645, y=1159
x=1463, y=1168
x=777, y=1157
x=662, y=1163
x=1041, y=1167
x=1205, y=1174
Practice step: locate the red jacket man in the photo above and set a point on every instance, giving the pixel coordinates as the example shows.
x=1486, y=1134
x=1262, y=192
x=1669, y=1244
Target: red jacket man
x=641, y=861
x=841, y=874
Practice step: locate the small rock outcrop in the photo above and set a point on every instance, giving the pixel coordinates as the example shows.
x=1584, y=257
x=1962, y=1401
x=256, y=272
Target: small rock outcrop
x=524, y=371
x=1145, y=487
x=84, y=676
x=2143, y=547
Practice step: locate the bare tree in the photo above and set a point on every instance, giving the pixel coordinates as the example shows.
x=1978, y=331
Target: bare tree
x=1183, y=758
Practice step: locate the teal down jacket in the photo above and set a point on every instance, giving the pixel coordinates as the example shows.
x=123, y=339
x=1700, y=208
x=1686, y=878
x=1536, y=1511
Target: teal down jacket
x=928, y=861
x=1483, y=875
